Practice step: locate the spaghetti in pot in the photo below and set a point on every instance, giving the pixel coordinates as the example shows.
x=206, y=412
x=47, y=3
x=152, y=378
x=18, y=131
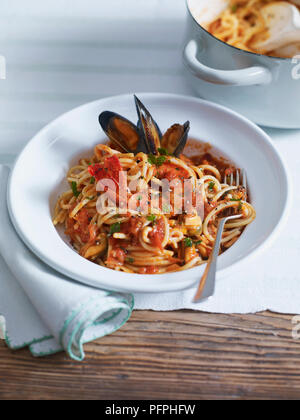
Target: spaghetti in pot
x=157, y=241
x=242, y=24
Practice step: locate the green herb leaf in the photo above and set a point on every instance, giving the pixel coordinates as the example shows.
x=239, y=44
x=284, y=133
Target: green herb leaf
x=74, y=189
x=211, y=186
x=163, y=152
x=151, y=218
x=152, y=159
x=235, y=199
x=115, y=228
x=130, y=260
x=93, y=180
x=160, y=160
x=188, y=242
x=198, y=242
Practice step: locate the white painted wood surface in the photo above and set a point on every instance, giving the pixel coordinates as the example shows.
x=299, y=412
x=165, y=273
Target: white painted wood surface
x=61, y=54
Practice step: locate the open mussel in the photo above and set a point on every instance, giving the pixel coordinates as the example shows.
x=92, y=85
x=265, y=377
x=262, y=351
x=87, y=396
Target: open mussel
x=175, y=139
x=144, y=137
x=120, y=131
x=148, y=127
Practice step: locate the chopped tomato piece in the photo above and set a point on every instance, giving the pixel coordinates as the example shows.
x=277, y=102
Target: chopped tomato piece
x=170, y=172
x=117, y=255
x=158, y=233
x=79, y=226
x=82, y=217
x=133, y=226
x=110, y=169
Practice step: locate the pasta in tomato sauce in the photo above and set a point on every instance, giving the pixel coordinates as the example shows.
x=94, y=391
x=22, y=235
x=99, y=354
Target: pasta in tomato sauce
x=148, y=240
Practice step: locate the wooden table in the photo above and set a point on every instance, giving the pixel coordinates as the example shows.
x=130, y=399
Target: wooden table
x=174, y=355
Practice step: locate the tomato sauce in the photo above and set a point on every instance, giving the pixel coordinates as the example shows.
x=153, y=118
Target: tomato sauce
x=79, y=226
x=170, y=172
x=158, y=233
x=117, y=255
x=133, y=226
x=111, y=169
x=208, y=207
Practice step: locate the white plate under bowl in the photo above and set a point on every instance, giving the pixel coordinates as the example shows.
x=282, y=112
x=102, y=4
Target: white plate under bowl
x=37, y=180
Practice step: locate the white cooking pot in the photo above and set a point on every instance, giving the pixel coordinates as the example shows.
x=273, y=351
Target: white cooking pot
x=264, y=89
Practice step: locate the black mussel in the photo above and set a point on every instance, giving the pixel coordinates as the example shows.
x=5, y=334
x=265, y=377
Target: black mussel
x=149, y=128
x=120, y=130
x=146, y=137
x=175, y=139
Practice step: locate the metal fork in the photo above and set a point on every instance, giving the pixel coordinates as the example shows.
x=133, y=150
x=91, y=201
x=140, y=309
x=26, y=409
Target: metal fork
x=206, y=287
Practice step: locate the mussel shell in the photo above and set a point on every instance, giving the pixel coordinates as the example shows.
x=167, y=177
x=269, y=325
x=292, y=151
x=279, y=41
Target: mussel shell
x=175, y=139
x=120, y=130
x=148, y=128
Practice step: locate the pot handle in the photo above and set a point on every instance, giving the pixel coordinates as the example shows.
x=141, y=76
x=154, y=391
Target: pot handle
x=255, y=75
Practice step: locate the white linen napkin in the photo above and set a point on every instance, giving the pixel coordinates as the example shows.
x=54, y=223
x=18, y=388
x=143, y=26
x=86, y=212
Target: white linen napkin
x=49, y=312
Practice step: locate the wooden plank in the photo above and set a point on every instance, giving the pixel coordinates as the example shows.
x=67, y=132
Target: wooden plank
x=171, y=355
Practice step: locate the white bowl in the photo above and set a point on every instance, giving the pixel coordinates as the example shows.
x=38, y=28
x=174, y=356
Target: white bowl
x=36, y=182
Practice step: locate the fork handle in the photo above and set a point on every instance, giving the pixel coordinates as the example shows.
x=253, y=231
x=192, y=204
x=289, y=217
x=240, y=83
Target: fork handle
x=207, y=284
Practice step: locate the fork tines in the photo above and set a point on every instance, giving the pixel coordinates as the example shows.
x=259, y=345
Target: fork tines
x=236, y=181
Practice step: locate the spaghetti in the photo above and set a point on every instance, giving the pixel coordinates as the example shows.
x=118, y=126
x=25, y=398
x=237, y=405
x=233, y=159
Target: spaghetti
x=149, y=240
x=241, y=25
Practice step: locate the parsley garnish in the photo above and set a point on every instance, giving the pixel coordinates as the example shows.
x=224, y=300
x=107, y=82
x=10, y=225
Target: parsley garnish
x=158, y=161
x=163, y=152
x=211, y=186
x=151, y=218
x=93, y=180
x=115, y=228
x=130, y=260
x=74, y=189
x=188, y=242
x=198, y=242
x=152, y=159
x=235, y=199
